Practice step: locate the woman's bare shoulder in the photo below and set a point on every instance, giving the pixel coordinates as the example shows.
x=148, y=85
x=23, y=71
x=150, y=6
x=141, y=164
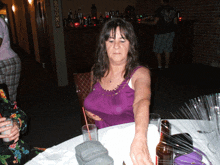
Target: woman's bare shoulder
x=142, y=75
x=142, y=71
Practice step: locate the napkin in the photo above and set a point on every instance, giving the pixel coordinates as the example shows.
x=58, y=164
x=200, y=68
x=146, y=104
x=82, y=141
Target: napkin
x=53, y=156
x=112, y=140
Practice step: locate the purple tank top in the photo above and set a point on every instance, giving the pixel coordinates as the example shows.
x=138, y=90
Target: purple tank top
x=114, y=107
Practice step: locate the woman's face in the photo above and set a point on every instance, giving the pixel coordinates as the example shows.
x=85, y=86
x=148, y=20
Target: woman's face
x=117, y=48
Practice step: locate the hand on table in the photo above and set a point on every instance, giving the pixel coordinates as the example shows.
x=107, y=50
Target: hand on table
x=93, y=116
x=139, y=152
x=15, y=132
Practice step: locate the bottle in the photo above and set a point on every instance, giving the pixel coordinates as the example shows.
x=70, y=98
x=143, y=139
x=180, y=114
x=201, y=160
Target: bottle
x=75, y=15
x=164, y=151
x=94, y=11
x=110, y=14
x=113, y=13
x=89, y=20
x=65, y=22
x=101, y=19
x=117, y=13
x=70, y=18
x=178, y=14
x=70, y=14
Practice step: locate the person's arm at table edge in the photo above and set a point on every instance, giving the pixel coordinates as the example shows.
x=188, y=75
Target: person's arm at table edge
x=142, y=101
x=139, y=151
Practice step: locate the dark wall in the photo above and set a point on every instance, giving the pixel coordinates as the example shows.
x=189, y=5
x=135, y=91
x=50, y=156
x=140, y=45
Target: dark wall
x=206, y=28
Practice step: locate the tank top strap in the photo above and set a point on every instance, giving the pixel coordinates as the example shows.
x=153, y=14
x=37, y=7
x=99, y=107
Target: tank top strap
x=134, y=71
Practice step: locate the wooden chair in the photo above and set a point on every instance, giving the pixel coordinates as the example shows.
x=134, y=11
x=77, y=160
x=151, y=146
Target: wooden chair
x=83, y=88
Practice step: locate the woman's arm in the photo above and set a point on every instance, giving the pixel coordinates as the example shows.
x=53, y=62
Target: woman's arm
x=139, y=149
x=141, y=103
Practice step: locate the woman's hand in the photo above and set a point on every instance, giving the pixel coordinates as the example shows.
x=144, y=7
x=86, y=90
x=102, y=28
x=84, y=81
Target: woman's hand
x=3, y=122
x=15, y=131
x=93, y=116
x=139, y=152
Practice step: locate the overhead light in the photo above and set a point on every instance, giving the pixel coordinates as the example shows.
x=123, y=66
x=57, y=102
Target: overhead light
x=13, y=8
x=30, y=2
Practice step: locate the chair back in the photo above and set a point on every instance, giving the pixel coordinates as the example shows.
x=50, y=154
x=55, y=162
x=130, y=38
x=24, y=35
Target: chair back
x=83, y=88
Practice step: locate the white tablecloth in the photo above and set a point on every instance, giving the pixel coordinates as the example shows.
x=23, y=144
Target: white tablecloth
x=117, y=139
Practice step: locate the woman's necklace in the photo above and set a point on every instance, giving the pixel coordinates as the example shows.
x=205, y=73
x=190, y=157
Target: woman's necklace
x=113, y=79
x=110, y=81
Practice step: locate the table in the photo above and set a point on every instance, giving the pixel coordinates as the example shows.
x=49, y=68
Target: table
x=113, y=138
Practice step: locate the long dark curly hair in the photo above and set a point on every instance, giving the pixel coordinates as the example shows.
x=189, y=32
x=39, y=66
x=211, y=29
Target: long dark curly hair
x=102, y=61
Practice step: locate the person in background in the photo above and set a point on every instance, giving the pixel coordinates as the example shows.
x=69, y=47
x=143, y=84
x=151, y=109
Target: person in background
x=10, y=63
x=121, y=92
x=166, y=20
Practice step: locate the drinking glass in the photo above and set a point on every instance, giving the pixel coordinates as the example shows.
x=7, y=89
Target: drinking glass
x=217, y=112
x=92, y=133
x=214, y=138
x=155, y=119
x=6, y=140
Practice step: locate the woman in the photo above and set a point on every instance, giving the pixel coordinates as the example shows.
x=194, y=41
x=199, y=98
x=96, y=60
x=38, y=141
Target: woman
x=10, y=63
x=121, y=91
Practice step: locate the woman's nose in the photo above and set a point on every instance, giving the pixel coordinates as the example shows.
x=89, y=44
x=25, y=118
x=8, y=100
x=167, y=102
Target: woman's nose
x=116, y=44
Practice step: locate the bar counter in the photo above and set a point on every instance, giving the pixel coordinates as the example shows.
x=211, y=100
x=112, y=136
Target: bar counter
x=80, y=45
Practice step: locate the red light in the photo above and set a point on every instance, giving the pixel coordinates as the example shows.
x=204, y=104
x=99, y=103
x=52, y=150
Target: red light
x=139, y=19
x=84, y=25
x=94, y=24
x=93, y=17
x=180, y=18
x=76, y=24
x=107, y=16
x=84, y=17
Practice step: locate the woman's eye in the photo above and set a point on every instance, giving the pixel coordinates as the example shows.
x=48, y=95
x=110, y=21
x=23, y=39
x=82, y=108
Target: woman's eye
x=122, y=41
x=111, y=41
